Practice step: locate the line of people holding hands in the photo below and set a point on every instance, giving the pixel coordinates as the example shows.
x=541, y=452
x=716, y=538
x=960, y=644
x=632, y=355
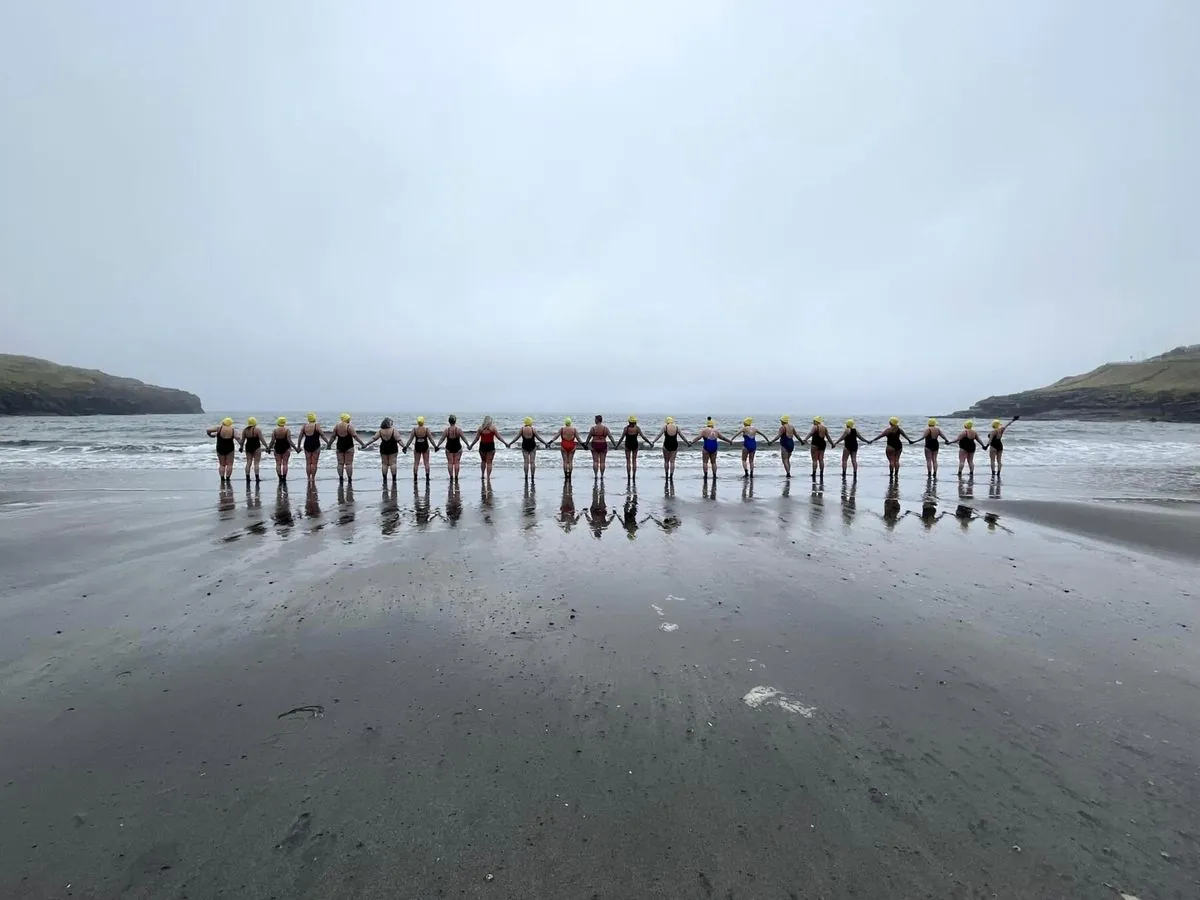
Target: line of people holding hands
x=598, y=440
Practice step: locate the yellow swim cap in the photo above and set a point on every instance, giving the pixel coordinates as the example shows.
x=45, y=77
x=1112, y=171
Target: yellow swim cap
x=312, y=417
x=785, y=419
x=345, y=417
x=710, y=423
x=528, y=421
x=633, y=420
x=932, y=422
x=670, y=420
x=970, y=423
x=252, y=421
x=995, y=423
x=747, y=420
x=567, y=420
x=816, y=420
x=420, y=420
x=893, y=421
x=281, y=421
x=849, y=423
x=227, y=421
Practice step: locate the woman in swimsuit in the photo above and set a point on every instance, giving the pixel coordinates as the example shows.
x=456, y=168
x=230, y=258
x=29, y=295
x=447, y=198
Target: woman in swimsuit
x=931, y=436
x=419, y=437
x=598, y=439
x=849, y=442
x=487, y=436
x=787, y=437
x=710, y=435
x=568, y=438
x=346, y=437
x=995, y=444
x=529, y=441
x=282, y=447
x=893, y=433
x=227, y=437
x=389, y=449
x=819, y=437
x=966, y=440
x=749, y=435
x=251, y=443
x=452, y=437
x=671, y=435
x=633, y=437
x=310, y=436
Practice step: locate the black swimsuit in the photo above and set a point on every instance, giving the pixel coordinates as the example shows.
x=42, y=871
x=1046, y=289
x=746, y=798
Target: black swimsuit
x=631, y=440
x=852, y=440
x=224, y=444
x=670, y=441
x=893, y=441
x=931, y=443
x=345, y=443
x=528, y=444
x=422, y=443
x=996, y=443
x=453, y=443
x=389, y=446
x=818, y=441
x=282, y=445
x=967, y=444
x=252, y=442
x=312, y=442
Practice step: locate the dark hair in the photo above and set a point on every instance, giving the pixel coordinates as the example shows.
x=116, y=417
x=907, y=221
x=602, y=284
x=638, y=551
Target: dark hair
x=386, y=423
x=453, y=418
x=599, y=418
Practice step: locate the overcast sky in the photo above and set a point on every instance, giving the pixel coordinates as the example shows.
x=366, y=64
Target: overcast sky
x=863, y=206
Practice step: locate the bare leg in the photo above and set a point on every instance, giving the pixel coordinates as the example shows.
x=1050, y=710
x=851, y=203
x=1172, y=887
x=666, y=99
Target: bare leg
x=845, y=458
x=786, y=456
x=962, y=459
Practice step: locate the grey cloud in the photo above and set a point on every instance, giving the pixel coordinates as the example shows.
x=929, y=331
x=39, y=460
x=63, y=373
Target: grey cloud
x=865, y=207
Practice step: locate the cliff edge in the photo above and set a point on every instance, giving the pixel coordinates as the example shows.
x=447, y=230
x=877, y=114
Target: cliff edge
x=1162, y=388
x=37, y=387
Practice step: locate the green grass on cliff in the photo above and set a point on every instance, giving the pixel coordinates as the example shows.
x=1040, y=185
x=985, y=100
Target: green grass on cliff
x=1176, y=372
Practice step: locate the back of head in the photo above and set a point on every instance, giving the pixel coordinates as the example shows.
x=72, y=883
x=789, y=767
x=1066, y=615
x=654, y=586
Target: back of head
x=386, y=423
x=599, y=419
x=453, y=418
x=487, y=422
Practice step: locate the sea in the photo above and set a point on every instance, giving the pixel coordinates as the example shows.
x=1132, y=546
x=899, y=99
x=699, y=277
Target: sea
x=1053, y=459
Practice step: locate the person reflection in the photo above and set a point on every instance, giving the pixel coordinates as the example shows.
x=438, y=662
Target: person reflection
x=708, y=492
x=453, y=503
x=389, y=511
x=891, y=505
x=312, y=505
x=567, y=517
x=421, y=501
x=485, y=499
x=345, y=499
x=283, y=507
x=849, y=505
x=226, y=505
x=529, y=506
x=966, y=489
x=597, y=515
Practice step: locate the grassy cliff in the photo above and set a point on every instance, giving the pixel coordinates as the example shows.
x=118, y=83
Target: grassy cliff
x=37, y=387
x=1164, y=387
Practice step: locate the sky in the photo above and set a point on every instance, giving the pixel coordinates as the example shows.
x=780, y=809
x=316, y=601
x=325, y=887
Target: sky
x=686, y=204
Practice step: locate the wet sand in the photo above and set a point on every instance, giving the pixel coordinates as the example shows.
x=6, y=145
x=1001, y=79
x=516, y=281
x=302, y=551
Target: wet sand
x=210, y=694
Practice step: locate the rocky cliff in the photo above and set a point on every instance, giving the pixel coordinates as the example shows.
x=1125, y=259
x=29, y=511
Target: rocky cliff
x=37, y=387
x=1165, y=388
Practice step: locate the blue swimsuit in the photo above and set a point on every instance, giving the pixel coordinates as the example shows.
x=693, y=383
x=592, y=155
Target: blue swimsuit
x=750, y=443
x=789, y=444
x=710, y=445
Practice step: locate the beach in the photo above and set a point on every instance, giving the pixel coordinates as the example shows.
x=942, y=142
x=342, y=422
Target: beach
x=776, y=691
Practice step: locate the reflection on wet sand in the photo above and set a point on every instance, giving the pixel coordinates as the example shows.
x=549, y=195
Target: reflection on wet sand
x=312, y=503
x=529, y=504
x=849, y=504
x=283, y=508
x=567, y=517
x=253, y=497
x=421, y=501
x=453, y=503
x=389, y=512
x=994, y=488
x=707, y=492
x=929, y=504
x=345, y=499
x=816, y=503
x=597, y=515
x=225, y=502
x=486, y=499
x=891, y=506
